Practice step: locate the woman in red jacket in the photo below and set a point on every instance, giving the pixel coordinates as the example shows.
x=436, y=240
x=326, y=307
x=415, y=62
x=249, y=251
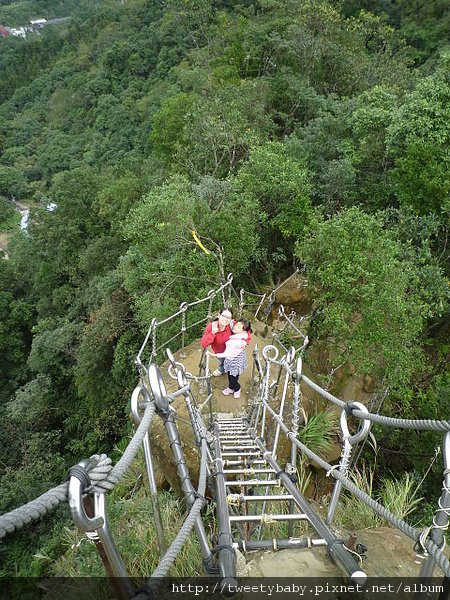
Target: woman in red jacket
x=216, y=335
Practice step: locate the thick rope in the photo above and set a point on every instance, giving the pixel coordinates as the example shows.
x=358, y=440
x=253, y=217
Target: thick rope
x=33, y=510
x=167, y=560
x=411, y=532
x=37, y=508
x=422, y=424
x=108, y=482
x=103, y=477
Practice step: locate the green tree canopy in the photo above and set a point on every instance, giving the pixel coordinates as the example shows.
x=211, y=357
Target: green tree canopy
x=367, y=305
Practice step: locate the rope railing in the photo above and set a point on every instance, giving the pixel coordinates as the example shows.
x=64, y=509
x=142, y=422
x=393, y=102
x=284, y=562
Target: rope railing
x=102, y=475
x=181, y=312
x=95, y=476
x=418, y=424
x=413, y=533
x=430, y=541
x=175, y=548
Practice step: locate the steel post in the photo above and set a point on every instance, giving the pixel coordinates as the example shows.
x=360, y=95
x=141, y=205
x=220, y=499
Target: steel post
x=441, y=517
x=227, y=556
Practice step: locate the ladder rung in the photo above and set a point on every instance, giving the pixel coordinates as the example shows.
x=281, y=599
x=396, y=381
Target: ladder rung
x=237, y=447
x=249, y=471
x=230, y=430
x=246, y=442
x=253, y=482
x=256, y=498
x=256, y=453
x=253, y=461
x=266, y=518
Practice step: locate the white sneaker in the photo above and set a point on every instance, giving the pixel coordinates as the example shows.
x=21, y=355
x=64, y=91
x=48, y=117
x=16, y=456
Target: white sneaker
x=217, y=373
x=237, y=394
x=227, y=392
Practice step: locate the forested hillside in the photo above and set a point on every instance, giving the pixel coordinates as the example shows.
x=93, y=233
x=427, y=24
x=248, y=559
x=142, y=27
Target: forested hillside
x=284, y=132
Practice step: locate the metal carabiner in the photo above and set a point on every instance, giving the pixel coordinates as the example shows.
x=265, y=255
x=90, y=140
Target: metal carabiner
x=78, y=482
x=182, y=379
x=290, y=355
x=298, y=369
x=171, y=357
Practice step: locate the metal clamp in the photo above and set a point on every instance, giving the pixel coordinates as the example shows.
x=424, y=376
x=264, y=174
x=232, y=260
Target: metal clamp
x=362, y=432
x=139, y=397
x=157, y=387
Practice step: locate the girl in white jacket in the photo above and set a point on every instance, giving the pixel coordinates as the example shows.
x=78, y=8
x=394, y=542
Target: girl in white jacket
x=235, y=357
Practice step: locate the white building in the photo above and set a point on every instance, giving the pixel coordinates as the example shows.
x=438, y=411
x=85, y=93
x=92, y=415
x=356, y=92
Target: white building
x=38, y=23
x=19, y=32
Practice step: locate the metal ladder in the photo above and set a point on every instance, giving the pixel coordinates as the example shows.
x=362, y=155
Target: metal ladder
x=243, y=463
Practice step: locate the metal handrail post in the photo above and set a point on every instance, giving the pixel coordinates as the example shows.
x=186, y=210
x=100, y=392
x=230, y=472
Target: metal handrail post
x=91, y=518
x=227, y=555
x=441, y=516
x=139, y=392
x=348, y=442
x=183, y=474
x=105, y=536
x=289, y=358
x=295, y=409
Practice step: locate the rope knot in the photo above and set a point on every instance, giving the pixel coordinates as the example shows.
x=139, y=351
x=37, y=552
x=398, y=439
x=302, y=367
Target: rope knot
x=99, y=475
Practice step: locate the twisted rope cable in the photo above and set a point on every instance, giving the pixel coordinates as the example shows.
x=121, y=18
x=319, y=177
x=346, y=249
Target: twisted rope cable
x=117, y=472
x=37, y=508
x=411, y=532
x=33, y=510
x=422, y=424
x=167, y=560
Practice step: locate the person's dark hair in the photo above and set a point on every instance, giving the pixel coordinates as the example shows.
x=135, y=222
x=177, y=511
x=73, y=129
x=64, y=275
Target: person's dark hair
x=247, y=325
x=221, y=311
